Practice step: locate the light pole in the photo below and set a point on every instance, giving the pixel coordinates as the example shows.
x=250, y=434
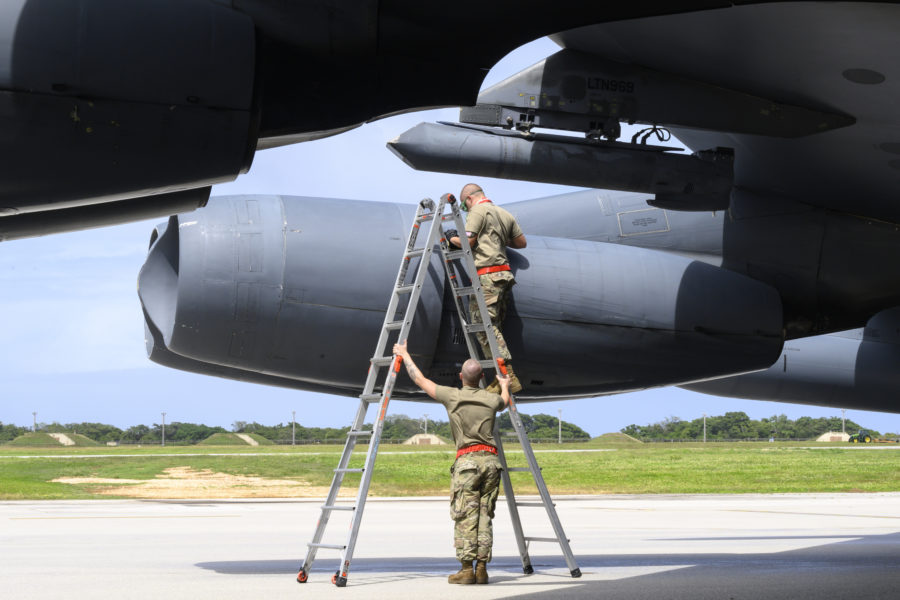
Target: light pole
x=843, y=420
x=164, y=429
x=704, y=428
x=293, y=427
x=559, y=425
x=426, y=423
x=34, y=422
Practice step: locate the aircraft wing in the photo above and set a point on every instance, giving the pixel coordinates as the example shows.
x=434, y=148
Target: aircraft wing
x=101, y=102
x=835, y=58
x=788, y=107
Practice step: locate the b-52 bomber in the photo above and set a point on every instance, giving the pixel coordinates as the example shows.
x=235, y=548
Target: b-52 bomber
x=763, y=264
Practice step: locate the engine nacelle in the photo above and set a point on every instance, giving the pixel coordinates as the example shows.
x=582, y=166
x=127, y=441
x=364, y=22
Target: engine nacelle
x=295, y=290
x=858, y=368
x=102, y=100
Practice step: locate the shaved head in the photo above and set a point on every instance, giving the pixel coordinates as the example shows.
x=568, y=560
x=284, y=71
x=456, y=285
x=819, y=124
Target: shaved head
x=470, y=373
x=470, y=189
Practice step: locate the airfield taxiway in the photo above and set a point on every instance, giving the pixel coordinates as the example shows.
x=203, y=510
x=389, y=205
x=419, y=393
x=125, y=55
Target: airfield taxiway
x=694, y=547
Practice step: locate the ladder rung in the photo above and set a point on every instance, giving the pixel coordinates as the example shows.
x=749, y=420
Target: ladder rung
x=404, y=289
x=425, y=217
x=382, y=361
x=529, y=504
x=487, y=364
x=542, y=539
x=464, y=291
x=454, y=254
x=474, y=327
x=393, y=325
x=518, y=469
x=336, y=507
x=370, y=398
x=349, y=470
x=359, y=433
x=414, y=253
x=329, y=546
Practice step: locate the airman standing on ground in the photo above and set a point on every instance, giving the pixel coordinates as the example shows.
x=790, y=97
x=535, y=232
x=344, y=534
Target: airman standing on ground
x=475, y=476
x=489, y=230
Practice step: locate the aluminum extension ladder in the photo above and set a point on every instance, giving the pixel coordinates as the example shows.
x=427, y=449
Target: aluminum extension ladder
x=399, y=318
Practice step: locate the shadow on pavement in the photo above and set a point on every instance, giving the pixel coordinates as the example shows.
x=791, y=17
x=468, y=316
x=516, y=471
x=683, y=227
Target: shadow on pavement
x=864, y=567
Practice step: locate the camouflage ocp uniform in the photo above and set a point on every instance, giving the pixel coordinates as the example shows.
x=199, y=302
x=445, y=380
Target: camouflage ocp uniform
x=475, y=485
x=496, y=287
x=493, y=228
x=475, y=476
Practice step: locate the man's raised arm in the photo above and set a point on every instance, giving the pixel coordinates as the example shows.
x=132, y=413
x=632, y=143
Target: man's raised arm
x=427, y=385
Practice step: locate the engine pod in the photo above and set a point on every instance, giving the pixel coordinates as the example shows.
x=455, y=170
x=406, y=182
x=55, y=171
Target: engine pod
x=102, y=100
x=296, y=289
x=290, y=287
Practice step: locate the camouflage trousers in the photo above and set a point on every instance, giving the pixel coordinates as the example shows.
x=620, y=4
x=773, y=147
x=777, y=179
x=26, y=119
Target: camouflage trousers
x=475, y=485
x=496, y=287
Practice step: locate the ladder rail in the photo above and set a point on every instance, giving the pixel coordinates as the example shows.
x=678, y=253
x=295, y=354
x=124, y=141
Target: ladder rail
x=365, y=482
x=425, y=212
x=421, y=269
x=468, y=262
x=453, y=279
x=510, y=496
x=336, y=483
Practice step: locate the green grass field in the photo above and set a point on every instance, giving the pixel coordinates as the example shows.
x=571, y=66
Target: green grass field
x=404, y=470
x=232, y=439
x=31, y=440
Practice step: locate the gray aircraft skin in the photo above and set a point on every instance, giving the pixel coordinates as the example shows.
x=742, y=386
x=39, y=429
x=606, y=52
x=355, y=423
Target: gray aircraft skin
x=789, y=109
x=106, y=118
x=282, y=287
x=857, y=368
x=635, y=298
x=118, y=111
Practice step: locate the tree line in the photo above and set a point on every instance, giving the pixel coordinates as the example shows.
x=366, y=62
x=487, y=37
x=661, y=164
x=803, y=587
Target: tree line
x=401, y=427
x=138, y=434
x=397, y=427
x=738, y=426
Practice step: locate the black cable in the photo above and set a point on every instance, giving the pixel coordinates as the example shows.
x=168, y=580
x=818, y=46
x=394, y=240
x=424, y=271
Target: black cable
x=662, y=134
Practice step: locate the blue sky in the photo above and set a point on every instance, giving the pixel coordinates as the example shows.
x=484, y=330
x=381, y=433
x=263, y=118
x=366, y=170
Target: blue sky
x=71, y=328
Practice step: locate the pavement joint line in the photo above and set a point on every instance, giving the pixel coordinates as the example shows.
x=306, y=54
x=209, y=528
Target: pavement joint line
x=894, y=447
x=127, y=517
x=809, y=514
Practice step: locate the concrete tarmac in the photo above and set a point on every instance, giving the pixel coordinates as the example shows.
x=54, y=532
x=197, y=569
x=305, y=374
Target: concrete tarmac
x=719, y=547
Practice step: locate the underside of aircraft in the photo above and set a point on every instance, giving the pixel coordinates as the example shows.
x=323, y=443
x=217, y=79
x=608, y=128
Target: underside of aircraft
x=736, y=269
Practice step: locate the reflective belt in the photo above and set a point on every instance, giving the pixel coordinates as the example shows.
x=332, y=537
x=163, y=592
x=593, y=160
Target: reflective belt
x=497, y=269
x=476, y=448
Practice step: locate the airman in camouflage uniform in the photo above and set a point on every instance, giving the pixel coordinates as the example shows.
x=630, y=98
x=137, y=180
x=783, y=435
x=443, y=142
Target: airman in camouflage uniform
x=489, y=230
x=475, y=481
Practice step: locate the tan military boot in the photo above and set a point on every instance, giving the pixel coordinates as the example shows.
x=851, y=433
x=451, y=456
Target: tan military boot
x=481, y=575
x=515, y=386
x=465, y=575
